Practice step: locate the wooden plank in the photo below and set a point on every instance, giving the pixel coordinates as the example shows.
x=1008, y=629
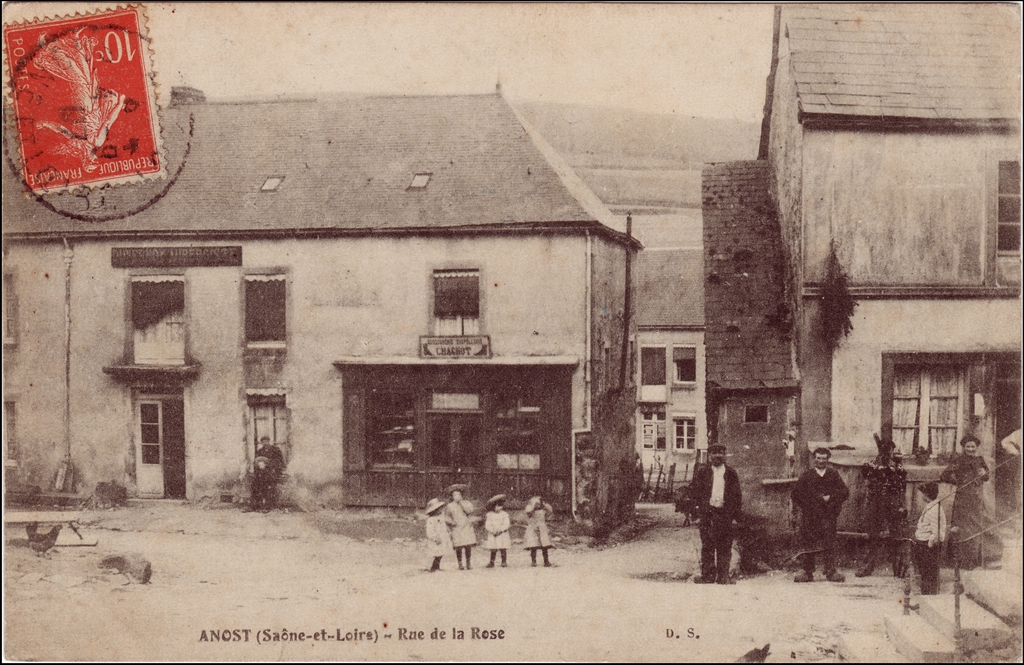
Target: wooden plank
x=40, y=516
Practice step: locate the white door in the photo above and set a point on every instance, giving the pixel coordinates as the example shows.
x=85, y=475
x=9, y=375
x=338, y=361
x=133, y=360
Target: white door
x=149, y=449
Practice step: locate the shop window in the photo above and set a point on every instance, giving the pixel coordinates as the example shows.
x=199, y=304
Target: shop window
x=755, y=413
x=685, y=433
x=652, y=365
x=265, y=310
x=653, y=430
x=391, y=428
x=269, y=417
x=684, y=359
x=158, y=320
x=11, y=451
x=456, y=302
x=1009, y=207
x=10, y=311
x=517, y=425
x=926, y=408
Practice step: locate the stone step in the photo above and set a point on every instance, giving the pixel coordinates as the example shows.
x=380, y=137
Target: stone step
x=863, y=647
x=917, y=640
x=997, y=590
x=979, y=628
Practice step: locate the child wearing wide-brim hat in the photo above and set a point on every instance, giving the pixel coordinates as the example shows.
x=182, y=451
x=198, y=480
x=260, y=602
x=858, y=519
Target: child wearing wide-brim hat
x=497, y=526
x=439, y=542
x=457, y=517
x=537, y=537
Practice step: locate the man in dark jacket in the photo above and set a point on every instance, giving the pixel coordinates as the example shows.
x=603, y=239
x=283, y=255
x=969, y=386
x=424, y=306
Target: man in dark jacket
x=717, y=499
x=819, y=494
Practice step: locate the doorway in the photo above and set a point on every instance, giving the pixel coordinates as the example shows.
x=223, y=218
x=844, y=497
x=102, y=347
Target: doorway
x=160, y=446
x=1008, y=416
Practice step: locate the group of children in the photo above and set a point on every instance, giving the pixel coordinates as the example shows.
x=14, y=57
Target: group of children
x=449, y=526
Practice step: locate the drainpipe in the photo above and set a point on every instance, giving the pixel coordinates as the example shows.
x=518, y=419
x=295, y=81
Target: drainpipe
x=628, y=303
x=65, y=467
x=587, y=397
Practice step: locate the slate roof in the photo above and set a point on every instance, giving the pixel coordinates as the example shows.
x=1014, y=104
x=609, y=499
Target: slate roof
x=950, y=61
x=347, y=166
x=748, y=333
x=670, y=288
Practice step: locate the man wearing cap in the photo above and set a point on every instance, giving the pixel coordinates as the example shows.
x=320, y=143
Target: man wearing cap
x=819, y=494
x=718, y=499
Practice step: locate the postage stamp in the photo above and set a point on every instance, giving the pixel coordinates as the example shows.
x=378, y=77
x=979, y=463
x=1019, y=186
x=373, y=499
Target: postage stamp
x=81, y=90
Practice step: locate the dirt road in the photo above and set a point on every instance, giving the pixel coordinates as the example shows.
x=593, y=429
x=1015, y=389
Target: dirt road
x=219, y=572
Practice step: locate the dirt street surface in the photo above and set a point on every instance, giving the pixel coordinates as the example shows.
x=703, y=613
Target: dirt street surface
x=218, y=572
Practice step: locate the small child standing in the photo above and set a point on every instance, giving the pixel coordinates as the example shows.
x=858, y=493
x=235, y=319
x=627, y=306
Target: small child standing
x=497, y=525
x=537, y=537
x=928, y=539
x=456, y=516
x=439, y=542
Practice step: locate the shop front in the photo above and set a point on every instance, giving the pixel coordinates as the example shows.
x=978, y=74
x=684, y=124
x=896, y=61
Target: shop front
x=412, y=430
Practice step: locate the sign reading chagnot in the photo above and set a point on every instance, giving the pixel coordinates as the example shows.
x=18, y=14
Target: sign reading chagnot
x=469, y=346
x=175, y=257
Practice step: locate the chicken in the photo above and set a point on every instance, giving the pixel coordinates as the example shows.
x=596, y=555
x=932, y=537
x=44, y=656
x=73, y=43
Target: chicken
x=41, y=543
x=754, y=655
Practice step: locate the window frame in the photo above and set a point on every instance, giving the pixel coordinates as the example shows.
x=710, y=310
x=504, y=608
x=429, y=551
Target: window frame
x=675, y=367
x=266, y=275
x=678, y=418
x=767, y=414
x=664, y=364
x=466, y=325
x=926, y=396
x=276, y=401
x=1000, y=197
x=12, y=451
x=132, y=339
x=1002, y=268
x=650, y=417
x=10, y=309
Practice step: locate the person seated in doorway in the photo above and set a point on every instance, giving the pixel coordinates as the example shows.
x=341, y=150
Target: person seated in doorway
x=266, y=475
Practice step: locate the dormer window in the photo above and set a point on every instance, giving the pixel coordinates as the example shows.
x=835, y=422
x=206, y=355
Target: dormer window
x=272, y=183
x=420, y=181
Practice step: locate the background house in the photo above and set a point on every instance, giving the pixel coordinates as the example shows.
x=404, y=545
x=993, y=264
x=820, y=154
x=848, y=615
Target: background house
x=894, y=135
x=403, y=292
x=890, y=143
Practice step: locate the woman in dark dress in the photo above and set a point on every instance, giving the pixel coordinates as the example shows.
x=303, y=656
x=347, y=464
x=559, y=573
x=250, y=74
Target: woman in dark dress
x=967, y=471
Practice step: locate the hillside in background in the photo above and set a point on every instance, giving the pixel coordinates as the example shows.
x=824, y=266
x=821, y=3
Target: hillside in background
x=640, y=162
x=599, y=137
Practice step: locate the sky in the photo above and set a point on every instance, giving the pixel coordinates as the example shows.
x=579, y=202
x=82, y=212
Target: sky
x=701, y=60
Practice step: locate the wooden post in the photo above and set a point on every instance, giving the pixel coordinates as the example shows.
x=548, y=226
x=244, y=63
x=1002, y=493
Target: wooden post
x=672, y=482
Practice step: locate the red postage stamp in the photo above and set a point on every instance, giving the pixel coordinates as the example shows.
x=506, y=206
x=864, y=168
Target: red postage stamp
x=84, y=106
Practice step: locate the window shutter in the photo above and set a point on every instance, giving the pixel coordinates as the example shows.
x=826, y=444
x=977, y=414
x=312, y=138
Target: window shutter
x=265, y=310
x=456, y=294
x=652, y=366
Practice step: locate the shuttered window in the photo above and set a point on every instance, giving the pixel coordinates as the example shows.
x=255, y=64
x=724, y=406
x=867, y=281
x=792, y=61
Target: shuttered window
x=265, y=308
x=652, y=365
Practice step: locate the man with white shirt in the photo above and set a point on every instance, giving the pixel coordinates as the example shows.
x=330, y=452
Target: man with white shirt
x=718, y=499
x=819, y=494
